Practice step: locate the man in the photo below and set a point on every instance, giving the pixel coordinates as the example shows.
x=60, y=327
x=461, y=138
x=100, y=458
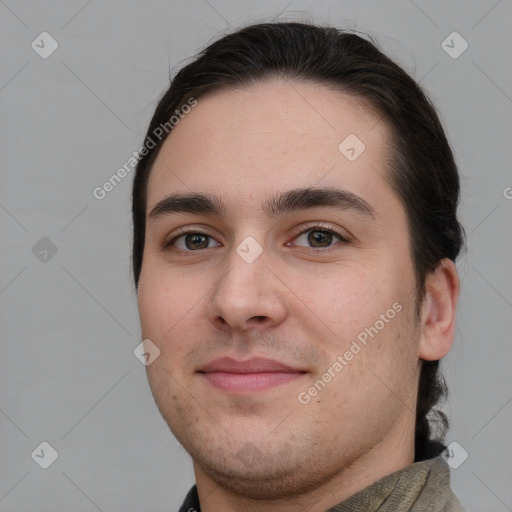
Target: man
x=295, y=233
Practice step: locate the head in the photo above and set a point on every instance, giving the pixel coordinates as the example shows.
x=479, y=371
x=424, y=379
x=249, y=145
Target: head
x=259, y=141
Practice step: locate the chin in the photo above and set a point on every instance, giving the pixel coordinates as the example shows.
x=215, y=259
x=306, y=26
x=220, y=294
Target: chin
x=265, y=481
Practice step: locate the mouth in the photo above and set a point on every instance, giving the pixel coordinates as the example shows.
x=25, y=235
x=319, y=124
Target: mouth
x=256, y=374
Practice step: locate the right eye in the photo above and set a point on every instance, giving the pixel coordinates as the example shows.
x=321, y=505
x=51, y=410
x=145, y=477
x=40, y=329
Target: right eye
x=192, y=241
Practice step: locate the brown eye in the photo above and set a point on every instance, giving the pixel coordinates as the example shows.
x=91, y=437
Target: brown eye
x=196, y=241
x=192, y=241
x=320, y=238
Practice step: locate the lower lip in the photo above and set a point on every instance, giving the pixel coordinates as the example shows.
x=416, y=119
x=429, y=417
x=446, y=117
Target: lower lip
x=247, y=382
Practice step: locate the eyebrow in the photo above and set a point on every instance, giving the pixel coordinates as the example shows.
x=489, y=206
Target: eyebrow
x=282, y=203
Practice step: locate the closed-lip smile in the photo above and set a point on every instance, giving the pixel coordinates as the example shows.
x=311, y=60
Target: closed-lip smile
x=255, y=374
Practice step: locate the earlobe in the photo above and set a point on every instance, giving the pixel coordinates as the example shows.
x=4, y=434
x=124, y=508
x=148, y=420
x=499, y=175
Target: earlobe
x=438, y=312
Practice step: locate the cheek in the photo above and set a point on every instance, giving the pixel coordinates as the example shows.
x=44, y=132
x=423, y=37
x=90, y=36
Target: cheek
x=347, y=297
x=377, y=360
x=166, y=300
x=365, y=313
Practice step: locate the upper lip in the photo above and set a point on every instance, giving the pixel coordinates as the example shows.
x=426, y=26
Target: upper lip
x=254, y=365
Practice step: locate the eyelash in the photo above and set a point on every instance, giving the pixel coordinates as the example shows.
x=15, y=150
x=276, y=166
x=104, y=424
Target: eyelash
x=325, y=228
x=317, y=227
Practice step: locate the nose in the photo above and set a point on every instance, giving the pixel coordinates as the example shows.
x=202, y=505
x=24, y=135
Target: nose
x=248, y=296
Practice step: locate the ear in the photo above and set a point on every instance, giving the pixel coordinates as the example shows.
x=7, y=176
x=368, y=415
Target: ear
x=439, y=306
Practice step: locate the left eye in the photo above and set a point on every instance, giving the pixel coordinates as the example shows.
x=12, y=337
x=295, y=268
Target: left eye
x=319, y=238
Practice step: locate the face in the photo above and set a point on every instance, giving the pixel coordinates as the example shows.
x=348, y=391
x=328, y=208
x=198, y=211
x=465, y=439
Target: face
x=259, y=269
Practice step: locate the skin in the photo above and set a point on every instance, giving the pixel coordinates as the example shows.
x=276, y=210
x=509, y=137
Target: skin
x=295, y=303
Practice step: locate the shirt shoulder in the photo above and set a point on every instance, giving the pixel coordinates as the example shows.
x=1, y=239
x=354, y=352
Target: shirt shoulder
x=191, y=503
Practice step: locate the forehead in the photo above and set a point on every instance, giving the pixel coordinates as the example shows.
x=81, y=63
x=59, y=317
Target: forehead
x=271, y=136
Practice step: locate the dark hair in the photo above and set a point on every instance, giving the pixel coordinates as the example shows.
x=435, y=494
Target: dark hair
x=422, y=170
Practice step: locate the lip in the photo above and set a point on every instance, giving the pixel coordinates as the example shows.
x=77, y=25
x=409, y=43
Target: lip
x=253, y=365
x=256, y=374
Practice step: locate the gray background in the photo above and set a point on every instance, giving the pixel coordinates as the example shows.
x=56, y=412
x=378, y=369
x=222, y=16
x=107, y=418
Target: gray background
x=69, y=324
